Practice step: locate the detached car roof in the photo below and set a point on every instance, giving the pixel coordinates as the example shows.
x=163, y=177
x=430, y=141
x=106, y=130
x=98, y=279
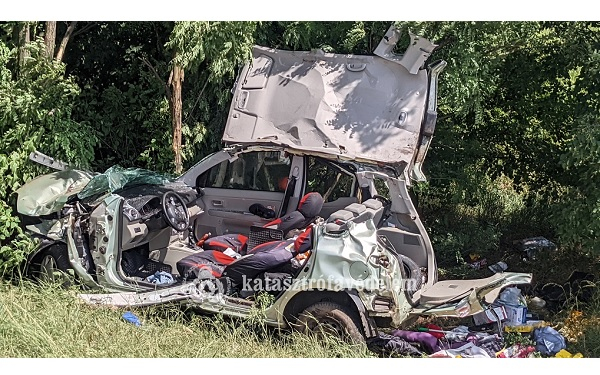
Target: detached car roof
x=367, y=108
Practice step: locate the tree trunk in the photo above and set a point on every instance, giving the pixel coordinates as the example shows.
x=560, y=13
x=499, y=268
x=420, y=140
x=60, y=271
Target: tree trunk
x=65, y=40
x=50, y=38
x=24, y=38
x=176, y=81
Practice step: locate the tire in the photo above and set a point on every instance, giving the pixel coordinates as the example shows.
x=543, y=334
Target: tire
x=329, y=318
x=52, y=266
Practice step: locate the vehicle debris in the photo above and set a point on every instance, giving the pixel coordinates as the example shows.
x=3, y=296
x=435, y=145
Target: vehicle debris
x=308, y=201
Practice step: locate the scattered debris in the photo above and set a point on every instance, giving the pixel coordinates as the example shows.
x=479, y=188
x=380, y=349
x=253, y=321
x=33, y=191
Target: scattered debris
x=517, y=351
x=514, y=305
x=476, y=262
x=385, y=344
x=468, y=350
x=433, y=330
x=526, y=335
x=498, y=267
x=428, y=342
x=565, y=354
x=161, y=278
x=531, y=246
x=526, y=327
x=492, y=315
x=536, y=303
x=548, y=341
x=130, y=317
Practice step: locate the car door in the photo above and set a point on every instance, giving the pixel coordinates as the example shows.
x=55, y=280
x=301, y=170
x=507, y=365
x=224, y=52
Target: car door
x=231, y=186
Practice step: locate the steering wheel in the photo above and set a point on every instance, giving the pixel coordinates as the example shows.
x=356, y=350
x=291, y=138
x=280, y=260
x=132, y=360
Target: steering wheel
x=175, y=211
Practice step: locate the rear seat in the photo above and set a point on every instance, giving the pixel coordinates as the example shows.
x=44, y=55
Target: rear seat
x=376, y=207
x=355, y=212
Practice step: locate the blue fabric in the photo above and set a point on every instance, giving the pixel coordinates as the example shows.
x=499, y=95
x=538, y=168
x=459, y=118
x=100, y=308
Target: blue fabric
x=132, y=318
x=160, y=278
x=548, y=341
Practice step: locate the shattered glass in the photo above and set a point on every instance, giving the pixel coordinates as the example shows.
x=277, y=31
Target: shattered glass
x=117, y=177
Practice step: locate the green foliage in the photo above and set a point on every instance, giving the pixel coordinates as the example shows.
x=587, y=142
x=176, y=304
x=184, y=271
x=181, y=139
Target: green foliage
x=578, y=217
x=471, y=215
x=35, y=113
x=510, y=105
x=14, y=244
x=223, y=45
x=516, y=338
x=210, y=53
x=121, y=97
x=339, y=37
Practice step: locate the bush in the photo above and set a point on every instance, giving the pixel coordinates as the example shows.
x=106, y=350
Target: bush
x=477, y=215
x=36, y=101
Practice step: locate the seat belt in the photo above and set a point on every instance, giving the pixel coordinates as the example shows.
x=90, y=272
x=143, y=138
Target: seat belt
x=289, y=190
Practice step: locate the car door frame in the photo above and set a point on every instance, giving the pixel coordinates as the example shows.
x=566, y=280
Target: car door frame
x=227, y=210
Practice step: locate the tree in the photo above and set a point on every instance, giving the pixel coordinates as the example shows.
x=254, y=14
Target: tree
x=223, y=45
x=50, y=38
x=65, y=40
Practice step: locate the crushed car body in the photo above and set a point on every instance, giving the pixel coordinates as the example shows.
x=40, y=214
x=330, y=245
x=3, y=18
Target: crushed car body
x=308, y=202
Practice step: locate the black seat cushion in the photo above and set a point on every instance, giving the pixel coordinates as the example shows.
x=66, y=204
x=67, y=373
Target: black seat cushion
x=262, y=258
x=202, y=265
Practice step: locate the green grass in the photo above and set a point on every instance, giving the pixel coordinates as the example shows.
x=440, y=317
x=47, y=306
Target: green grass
x=47, y=321
x=50, y=322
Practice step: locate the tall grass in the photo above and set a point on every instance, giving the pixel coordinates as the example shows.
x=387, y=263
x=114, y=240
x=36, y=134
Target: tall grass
x=51, y=322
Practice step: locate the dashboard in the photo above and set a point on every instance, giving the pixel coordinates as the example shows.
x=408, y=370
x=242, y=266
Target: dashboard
x=142, y=203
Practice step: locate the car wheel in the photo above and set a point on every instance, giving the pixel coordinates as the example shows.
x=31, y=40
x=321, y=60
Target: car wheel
x=52, y=266
x=329, y=318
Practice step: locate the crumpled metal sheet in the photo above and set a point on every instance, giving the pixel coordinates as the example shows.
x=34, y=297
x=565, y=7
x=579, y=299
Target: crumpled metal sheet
x=48, y=193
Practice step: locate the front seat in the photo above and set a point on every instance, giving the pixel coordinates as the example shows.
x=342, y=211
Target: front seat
x=269, y=255
x=308, y=208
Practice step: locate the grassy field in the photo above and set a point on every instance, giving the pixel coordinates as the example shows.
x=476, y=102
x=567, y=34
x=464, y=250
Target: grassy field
x=49, y=322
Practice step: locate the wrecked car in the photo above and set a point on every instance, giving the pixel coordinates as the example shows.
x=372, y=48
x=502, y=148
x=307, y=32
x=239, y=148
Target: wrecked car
x=307, y=202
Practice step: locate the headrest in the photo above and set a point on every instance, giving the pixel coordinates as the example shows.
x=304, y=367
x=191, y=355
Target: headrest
x=373, y=204
x=293, y=220
x=310, y=205
x=356, y=208
x=340, y=215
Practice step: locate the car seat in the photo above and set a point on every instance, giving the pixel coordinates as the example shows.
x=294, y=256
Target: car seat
x=269, y=255
x=308, y=208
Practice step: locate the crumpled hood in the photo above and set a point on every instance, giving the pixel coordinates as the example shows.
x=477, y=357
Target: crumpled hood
x=48, y=193
x=365, y=108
